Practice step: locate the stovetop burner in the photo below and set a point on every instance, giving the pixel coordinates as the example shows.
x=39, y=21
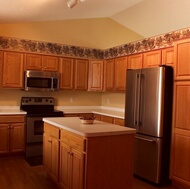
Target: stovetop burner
x=39, y=106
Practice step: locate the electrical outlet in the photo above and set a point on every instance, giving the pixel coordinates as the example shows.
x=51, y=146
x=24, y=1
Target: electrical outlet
x=108, y=100
x=71, y=100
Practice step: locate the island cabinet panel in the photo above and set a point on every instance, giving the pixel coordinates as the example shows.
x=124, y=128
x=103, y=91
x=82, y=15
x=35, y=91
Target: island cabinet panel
x=13, y=66
x=109, y=167
x=182, y=59
x=12, y=134
x=91, y=162
x=152, y=58
x=95, y=76
x=66, y=73
x=51, y=150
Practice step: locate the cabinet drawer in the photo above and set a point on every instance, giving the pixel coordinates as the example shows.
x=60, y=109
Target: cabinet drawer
x=12, y=119
x=73, y=140
x=118, y=121
x=53, y=131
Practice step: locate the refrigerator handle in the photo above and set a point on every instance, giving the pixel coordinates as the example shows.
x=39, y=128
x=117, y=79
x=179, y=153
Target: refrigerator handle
x=145, y=139
x=137, y=100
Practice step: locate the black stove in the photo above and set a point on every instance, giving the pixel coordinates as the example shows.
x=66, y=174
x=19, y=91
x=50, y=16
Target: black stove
x=40, y=106
x=37, y=108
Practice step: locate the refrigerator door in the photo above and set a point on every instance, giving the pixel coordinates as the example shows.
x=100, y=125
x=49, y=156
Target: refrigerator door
x=147, y=162
x=132, y=98
x=152, y=101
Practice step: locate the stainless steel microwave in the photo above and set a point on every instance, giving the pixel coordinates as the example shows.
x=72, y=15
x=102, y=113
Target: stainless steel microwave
x=41, y=80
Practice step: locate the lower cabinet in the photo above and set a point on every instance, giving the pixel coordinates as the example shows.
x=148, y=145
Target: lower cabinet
x=109, y=119
x=51, y=150
x=89, y=162
x=12, y=134
x=71, y=172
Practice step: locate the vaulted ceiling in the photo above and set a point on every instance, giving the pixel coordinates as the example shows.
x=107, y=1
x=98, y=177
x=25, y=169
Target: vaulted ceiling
x=146, y=17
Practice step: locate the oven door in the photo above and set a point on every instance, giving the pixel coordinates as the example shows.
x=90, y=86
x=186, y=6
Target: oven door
x=34, y=131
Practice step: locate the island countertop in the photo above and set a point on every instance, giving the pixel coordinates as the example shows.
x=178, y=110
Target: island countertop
x=98, y=128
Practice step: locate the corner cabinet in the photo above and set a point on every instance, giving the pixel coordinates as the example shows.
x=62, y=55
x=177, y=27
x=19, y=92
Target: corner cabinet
x=13, y=68
x=12, y=134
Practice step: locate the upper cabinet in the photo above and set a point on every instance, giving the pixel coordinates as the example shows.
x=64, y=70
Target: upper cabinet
x=151, y=59
x=73, y=73
x=12, y=68
x=182, y=59
x=120, y=73
x=41, y=62
x=109, y=68
x=135, y=61
x=95, y=75
x=115, y=74
x=66, y=73
x=81, y=74
x=168, y=56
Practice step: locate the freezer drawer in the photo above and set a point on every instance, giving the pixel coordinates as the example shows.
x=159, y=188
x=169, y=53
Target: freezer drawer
x=148, y=158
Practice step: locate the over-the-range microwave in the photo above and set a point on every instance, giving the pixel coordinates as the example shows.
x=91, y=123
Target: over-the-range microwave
x=41, y=81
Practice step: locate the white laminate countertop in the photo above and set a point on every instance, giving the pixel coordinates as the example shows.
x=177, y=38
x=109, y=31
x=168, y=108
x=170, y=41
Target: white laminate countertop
x=11, y=111
x=98, y=128
x=113, y=112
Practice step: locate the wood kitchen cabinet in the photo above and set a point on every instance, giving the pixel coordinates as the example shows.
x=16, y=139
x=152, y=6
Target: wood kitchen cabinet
x=135, y=61
x=66, y=73
x=81, y=74
x=83, y=158
x=51, y=150
x=152, y=58
x=115, y=74
x=12, y=134
x=109, y=67
x=72, y=153
x=180, y=164
x=95, y=76
x=109, y=119
x=168, y=56
x=182, y=59
x=13, y=66
x=41, y=62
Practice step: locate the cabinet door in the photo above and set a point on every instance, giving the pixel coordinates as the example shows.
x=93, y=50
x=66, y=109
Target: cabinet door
x=107, y=119
x=50, y=63
x=109, y=68
x=66, y=71
x=33, y=62
x=119, y=121
x=51, y=155
x=180, y=166
x=152, y=59
x=71, y=167
x=135, y=61
x=77, y=165
x=17, y=137
x=168, y=56
x=81, y=74
x=4, y=138
x=13, y=70
x=1, y=67
x=95, y=78
x=120, y=74
x=182, y=59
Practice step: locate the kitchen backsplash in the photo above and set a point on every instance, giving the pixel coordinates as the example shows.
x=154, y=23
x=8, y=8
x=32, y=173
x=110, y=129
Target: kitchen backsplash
x=160, y=41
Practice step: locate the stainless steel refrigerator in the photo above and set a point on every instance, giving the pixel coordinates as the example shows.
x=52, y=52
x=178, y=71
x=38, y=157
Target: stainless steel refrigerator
x=148, y=109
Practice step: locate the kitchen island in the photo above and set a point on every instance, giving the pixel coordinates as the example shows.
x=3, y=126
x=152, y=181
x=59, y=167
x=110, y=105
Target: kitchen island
x=88, y=156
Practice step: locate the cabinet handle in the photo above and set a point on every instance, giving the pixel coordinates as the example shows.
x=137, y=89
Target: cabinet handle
x=49, y=141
